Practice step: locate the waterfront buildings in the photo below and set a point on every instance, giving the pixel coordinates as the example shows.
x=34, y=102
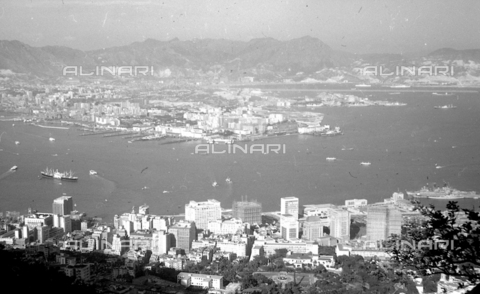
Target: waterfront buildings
x=248, y=211
x=38, y=219
x=383, y=221
x=231, y=226
x=62, y=205
x=340, y=224
x=63, y=221
x=321, y=210
x=289, y=205
x=161, y=242
x=356, y=202
x=203, y=212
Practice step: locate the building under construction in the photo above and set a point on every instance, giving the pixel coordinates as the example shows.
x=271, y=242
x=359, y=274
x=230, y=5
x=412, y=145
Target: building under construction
x=248, y=211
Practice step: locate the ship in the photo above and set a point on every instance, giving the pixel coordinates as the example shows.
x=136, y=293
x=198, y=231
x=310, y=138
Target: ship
x=446, y=192
x=51, y=139
x=365, y=163
x=363, y=86
x=16, y=142
x=442, y=94
x=214, y=184
x=92, y=172
x=228, y=180
x=14, y=168
x=55, y=174
x=448, y=106
x=400, y=86
x=331, y=158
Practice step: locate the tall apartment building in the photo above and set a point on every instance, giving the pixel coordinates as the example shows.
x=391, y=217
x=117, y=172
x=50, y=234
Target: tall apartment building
x=62, y=205
x=289, y=205
x=183, y=234
x=289, y=226
x=161, y=242
x=203, y=212
x=340, y=224
x=248, y=211
x=43, y=233
x=383, y=221
x=313, y=228
x=63, y=221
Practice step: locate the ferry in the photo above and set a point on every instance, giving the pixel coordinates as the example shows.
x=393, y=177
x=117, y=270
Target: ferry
x=400, y=86
x=448, y=106
x=214, y=184
x=331, y=158
x=16, y=142
x=363, y=86
x=55, y=174
x=365, y=163
x=51, y=139
x=14, y=168
x=92, y=172
x=228, y=180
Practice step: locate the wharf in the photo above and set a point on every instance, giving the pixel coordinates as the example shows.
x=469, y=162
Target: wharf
x=99, y=133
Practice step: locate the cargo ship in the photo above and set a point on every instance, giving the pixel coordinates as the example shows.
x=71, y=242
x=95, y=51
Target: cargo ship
x=449, y=106
x=446, y=192
x=55, y=174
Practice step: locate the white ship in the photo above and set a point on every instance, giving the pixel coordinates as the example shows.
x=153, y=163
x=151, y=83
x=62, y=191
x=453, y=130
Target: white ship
x=92, y=172
x=16, y=142
x=331, y=158
x=14, y=168
x=228, y=180
x=365, y=163
x=399, y=86
x=51, y=139
x=214, y=184
x=363, y=86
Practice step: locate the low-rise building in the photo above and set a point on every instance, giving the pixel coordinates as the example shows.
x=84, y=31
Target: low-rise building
x=199, y=280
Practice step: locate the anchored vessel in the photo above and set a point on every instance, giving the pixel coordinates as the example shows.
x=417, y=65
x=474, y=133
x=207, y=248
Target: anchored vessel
x=14, y=168
x=331, y=158
x=92, y=172
x=365, y=163
x=448, y=106
x=446, y=192
x=55, y=174
x=228, y=180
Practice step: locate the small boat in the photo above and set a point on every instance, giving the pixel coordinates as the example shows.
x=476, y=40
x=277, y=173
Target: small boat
x=331, y=158
x=400, y=86
x=14, y=168
x=395, y=93
x=214, y=184
x=16, y=142
x=92, y=172
x=51, y=139
x=228, y=180
x=165, y=192
x=365, y=163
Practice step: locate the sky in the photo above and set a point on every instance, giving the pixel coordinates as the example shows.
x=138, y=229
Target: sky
x=357, y=26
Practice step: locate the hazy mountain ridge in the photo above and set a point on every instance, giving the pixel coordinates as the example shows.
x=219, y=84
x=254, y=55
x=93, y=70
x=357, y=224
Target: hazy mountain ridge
x=263, y=58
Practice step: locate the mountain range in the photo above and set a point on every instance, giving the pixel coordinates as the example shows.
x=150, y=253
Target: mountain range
x=265, y=57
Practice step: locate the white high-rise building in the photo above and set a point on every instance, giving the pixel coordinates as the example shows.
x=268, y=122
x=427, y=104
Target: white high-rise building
x=62, y=205
x=289, y=205
x=289, y=226
x=203, y=212
x=161, y=242
x=340, y=224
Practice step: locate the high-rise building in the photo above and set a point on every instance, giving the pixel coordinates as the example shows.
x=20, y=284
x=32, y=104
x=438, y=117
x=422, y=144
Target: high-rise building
x=340, y=224
x=313, y=228
x=248, y=211
x=289, y=226
x=203, y=212
x=63, y=221
x=161, y=242
x=383, y=221
x=183, y=234
x=62, y=205
x=43, y=233
x=289, y=205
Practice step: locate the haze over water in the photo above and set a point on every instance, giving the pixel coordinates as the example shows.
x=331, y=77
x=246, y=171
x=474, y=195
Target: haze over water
x=403, y=144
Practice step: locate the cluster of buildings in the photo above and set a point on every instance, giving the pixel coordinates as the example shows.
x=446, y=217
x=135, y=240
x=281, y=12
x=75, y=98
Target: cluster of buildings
x=205, y=233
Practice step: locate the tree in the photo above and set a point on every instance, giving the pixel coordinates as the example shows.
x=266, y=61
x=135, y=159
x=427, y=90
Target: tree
x=441, y=244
